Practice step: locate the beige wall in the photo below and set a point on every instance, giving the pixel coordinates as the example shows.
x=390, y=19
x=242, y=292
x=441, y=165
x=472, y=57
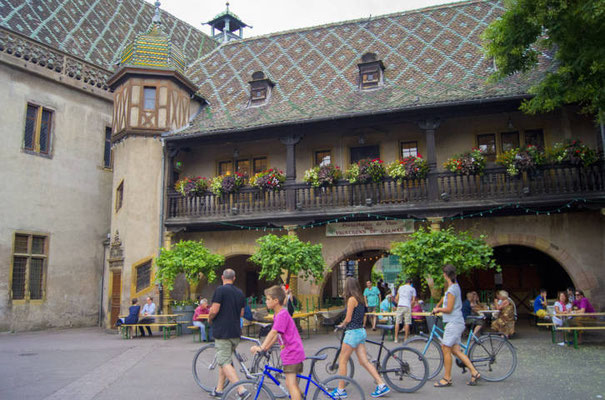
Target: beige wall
x=138, y=162
x=66, y=196
x=455, y=135
x=574, y=240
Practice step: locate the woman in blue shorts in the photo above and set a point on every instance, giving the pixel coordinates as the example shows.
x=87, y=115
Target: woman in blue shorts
x=355, y=337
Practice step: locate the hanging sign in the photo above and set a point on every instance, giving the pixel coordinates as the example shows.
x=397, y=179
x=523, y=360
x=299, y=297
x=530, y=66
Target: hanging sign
x=364, y=228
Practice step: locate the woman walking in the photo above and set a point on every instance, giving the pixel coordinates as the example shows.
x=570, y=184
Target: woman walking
x=354, y=340
x=454, y=326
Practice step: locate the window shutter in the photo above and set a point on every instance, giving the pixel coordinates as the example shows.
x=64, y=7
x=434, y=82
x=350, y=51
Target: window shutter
x=18, y=287
x=36, y=271
x=30, y=127
x=45, y=131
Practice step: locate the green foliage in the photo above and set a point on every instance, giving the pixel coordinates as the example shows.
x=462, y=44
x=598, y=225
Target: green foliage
x=279, y=254
x=376, y=276
x=570, y=30
x=425, y=254
x=190, y=258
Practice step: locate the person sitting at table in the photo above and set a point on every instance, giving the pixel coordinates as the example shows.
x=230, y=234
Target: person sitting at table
x=202, y=309
x=133, y=315
x=540, y=302
x=562, y=306
x=580, y=306
x=418, y=321
x=386, y=305
x=147, y=311
x=505, y=323
x=466, y=305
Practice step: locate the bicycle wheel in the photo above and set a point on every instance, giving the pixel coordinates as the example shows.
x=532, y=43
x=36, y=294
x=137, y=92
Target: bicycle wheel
x=433, y=353
x=354, y=392
x=323, y=369
x=251, y=386
x=405, y=369
x=205, y=368
x=494, y=357
x=274, y=360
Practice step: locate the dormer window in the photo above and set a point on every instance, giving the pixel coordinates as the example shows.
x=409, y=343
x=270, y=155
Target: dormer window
x=370, y=72
x=260, y=89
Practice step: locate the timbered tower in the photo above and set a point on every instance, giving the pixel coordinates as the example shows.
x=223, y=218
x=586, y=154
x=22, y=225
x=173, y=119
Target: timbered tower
x=151, y=96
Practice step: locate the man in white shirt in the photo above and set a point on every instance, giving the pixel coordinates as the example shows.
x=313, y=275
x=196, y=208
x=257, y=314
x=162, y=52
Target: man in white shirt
x=405, y=296
x=146, y=312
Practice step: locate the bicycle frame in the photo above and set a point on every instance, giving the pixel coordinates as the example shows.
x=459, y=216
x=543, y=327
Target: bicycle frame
x=438, y=332
x=267, y=373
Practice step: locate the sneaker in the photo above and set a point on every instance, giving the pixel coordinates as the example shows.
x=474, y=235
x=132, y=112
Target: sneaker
x=395, y=341
x=216, y=393
x=339, y=394
x=561, y=343
x=244, y=395
x=381, y=390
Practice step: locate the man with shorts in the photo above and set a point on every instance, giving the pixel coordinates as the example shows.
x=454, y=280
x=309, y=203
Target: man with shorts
x=372, y=297
x=225, y=312
x=405, y=296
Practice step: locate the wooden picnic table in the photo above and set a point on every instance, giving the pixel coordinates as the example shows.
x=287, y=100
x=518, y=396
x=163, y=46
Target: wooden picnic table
x=393, y=314
x=574, y=314
x=298, y=315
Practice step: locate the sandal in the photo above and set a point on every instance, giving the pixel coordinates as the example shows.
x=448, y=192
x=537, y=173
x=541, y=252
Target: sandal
x=474, y=379
x=443, y=383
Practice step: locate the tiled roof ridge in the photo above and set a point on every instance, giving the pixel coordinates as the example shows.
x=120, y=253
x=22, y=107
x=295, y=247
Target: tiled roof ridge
x=222, y=46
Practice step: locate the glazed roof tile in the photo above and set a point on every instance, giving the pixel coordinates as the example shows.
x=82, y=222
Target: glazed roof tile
x=97, y=30
x=432, y=56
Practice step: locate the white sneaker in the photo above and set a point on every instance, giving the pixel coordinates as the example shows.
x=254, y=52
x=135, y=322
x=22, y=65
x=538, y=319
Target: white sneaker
x=561, y=343
x=395, y=341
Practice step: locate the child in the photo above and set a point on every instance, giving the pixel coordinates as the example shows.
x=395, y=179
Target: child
x=355, y=337
x=284, y=329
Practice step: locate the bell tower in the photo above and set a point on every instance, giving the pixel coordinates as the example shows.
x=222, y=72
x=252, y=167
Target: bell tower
x=152, y=96
x=227, y=24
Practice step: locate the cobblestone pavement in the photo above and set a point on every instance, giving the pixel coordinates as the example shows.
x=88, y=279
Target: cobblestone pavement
x=91, y=363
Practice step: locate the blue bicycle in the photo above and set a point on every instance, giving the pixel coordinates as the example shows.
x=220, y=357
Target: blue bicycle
x=492, y=354
x=257, y=390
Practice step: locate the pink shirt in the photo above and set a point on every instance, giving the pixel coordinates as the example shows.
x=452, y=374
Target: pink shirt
x=199, y=311
x=293, y=351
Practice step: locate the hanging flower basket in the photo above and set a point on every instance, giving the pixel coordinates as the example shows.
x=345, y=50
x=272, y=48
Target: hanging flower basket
x=469, y=163
x=408, y=168
x=366, y=171
x=520, y=160
x=271, y=179
x=324, y=176
x=227, y=184
x=191, y=186
x=573, y=152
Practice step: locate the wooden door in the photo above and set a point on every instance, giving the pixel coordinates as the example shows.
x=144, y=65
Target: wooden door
x=116, y=289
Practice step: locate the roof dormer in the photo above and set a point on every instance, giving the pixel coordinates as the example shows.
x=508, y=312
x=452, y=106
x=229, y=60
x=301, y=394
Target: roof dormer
x=370, y=72
x=260, y=89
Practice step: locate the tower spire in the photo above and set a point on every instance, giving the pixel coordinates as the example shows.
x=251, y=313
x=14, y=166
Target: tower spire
x=156, y=18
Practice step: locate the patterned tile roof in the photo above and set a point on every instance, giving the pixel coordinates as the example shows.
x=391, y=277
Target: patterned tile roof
x=96, y=30
x=431, y=56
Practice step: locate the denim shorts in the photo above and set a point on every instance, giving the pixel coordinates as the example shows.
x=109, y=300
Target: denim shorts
x=355, y=337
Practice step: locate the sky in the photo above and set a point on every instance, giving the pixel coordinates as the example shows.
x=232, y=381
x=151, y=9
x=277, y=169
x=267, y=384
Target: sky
x=268, y=16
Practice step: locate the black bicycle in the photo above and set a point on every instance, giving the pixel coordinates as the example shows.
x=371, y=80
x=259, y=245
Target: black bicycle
x=403, y=368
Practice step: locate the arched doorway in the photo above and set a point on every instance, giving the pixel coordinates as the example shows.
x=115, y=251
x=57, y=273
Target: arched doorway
x=524, y=271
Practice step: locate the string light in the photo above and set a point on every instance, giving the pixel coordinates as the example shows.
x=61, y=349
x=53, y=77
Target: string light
x=462, y=216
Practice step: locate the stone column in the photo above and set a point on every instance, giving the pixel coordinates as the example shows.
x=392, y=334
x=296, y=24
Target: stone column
x=429, y=126
x=290, y=142
x=435, y=223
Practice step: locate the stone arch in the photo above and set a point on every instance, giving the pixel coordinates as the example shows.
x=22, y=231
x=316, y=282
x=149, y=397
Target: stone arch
x=583, y=279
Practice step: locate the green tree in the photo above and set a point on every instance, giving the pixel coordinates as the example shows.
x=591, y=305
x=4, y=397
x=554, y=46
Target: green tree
x=571, y=31
x=190, y=258
x=426, y=252
x=279, y=254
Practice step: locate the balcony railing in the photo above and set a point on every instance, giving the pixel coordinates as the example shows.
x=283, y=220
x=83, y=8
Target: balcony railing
x=495, y=184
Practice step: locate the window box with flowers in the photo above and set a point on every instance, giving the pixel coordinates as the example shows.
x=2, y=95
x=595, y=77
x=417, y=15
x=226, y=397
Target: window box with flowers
x=227, y=184
x=365, y=171
x=573, y=152
x=468, y=163
x=526, y=159
x=191, y=186
x=323, y=176
x=269, y=180
x=408, y=168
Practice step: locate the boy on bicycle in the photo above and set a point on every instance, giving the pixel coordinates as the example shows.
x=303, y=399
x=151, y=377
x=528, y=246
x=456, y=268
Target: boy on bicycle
x=284, y=329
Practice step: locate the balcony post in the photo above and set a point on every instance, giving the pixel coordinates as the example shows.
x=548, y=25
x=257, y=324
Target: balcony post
x=290, y=142
x=429, y=126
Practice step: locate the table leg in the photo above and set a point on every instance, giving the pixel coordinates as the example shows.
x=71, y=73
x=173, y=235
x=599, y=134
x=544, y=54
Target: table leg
x=553, y=334
x=575, y=339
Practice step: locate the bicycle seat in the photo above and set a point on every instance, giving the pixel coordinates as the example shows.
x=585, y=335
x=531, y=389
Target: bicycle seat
x=387, y=327
x=318, y=358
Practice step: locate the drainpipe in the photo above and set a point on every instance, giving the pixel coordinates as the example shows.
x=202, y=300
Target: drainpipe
x=102, y=291
x=161, y=230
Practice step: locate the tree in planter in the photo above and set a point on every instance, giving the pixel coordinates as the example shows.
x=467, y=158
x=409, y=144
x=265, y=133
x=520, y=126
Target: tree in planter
x=425, y=254
x=190, y=258
x=277, y=255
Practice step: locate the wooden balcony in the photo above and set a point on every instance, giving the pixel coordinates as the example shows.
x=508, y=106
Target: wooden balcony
x=439, y=192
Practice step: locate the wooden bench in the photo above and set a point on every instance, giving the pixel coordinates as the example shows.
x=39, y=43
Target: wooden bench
x=126, y=334
x=198, y=334
x=575, y=330
x=552, y=329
